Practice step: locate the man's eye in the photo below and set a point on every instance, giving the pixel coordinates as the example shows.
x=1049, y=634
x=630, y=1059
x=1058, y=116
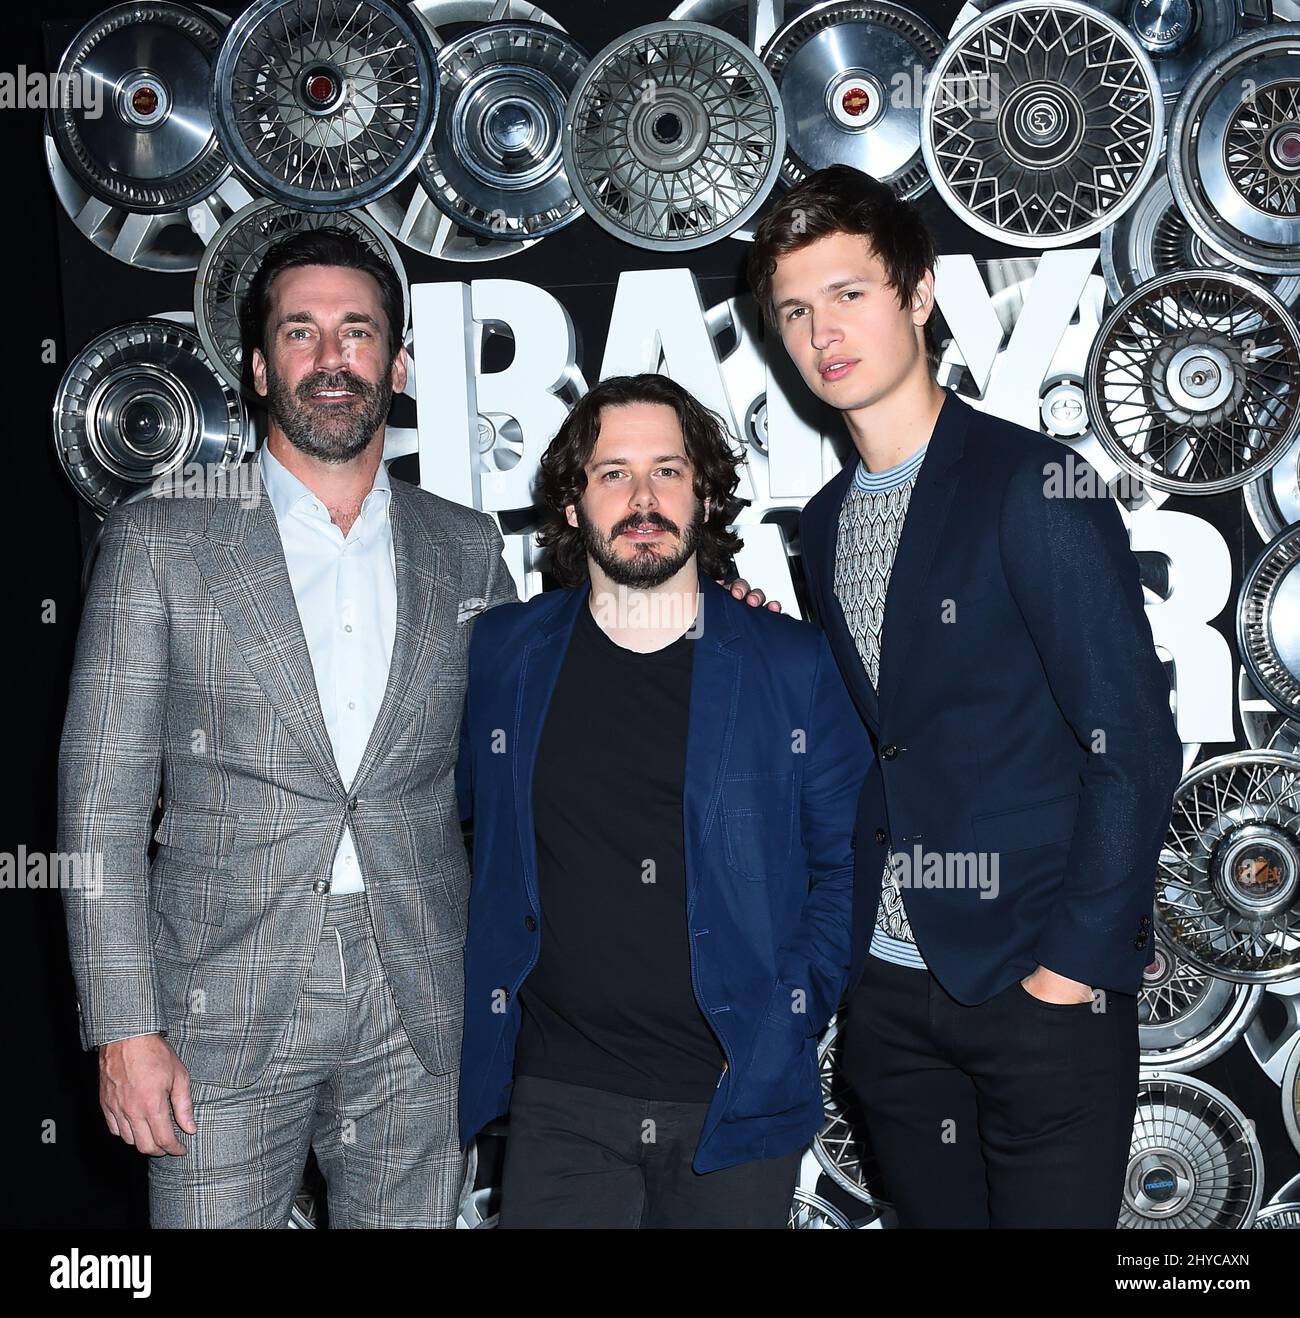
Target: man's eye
x=293, y=334
x=365, y=334
x=793, y=313
x=671, y=471
x=853, y=292
x=609, y=475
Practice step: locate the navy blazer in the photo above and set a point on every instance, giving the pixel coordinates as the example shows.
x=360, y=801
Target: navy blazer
x=775, y=762
x=1022, y=716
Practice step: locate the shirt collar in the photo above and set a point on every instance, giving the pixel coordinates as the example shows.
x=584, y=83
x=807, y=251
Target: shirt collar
x=287, y=493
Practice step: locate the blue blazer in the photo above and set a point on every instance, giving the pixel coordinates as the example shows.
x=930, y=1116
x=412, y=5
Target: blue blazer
x=1022, y=713
x=775, y=762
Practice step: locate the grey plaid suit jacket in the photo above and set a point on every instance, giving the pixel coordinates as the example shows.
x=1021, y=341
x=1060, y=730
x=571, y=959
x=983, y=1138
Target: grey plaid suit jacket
x=192, y=669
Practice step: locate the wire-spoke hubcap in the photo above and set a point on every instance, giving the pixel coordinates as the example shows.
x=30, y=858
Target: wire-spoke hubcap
x=325, y=105
x=674, y=136
x=1226, y=895
x=1194, y=382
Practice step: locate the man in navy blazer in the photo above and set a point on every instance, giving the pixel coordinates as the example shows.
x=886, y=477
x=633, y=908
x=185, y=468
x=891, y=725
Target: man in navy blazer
x=991, y=630
x=663, y=782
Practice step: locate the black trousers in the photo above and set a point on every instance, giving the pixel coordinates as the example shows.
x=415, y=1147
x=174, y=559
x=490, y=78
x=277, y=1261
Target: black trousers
x=1011, y=1113
x=582, y=1157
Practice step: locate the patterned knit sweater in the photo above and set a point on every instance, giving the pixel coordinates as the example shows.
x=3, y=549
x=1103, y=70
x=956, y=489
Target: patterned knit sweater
x=871, y=522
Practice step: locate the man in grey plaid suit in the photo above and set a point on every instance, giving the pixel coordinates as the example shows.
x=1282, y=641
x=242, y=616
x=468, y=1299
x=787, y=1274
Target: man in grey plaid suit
x=288, y=969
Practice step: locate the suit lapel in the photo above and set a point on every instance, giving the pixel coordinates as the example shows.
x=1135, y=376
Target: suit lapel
x=428, y=588
x=539, y=670
x=833, y=621
x=715, y=691
x=927, y=514
x=241, y=559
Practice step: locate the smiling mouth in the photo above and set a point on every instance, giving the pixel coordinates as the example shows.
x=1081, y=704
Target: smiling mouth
x=837, y=370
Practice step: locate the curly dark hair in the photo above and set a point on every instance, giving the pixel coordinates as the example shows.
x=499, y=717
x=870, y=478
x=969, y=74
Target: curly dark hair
x=708, y=447
x=324, y=246
x=841, y=199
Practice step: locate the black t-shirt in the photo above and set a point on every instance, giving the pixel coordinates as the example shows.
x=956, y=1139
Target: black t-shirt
x=609, y=1003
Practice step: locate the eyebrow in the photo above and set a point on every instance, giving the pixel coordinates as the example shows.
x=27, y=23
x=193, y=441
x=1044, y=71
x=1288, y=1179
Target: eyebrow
x=826, y=288
x=305, y=317
x=623, y=462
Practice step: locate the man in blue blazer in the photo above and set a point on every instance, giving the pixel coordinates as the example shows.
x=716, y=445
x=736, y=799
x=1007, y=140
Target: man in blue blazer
x=663, y=782
x=990, y=628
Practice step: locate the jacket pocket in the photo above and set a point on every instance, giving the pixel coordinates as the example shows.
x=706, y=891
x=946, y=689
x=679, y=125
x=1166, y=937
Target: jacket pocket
x=1038, y=824
x=781, y=1075
x=205, y=835
x=756, y=824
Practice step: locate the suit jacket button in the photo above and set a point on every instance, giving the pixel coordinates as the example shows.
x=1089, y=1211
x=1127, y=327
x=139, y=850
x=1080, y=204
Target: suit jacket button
x=321, y=885
x=352, y=803
x=881, y=836
x=889, y=752
x=530, y=923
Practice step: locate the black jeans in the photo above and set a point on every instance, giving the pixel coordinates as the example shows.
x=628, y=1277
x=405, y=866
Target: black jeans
x=1012, y=1113
x=581, y=1157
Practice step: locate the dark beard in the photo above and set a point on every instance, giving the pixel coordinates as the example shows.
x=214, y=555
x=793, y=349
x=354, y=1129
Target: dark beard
x=336, y=434
x=650, y=566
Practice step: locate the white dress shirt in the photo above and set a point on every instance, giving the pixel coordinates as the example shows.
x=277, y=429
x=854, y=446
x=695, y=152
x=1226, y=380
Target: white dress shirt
x=346, y=591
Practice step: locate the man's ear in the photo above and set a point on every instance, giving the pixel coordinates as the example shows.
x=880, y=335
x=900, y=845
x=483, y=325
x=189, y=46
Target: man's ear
x=923, y=299
x=401, y=365
x=570, y=515
x=259, y=372
x=706, y=505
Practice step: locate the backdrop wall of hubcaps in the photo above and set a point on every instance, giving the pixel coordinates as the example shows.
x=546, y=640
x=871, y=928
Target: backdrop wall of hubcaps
x=841, y=1147
x=1153, y=238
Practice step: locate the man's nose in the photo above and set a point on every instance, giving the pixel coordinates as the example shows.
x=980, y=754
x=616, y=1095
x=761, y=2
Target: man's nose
x=825, y=331
x=329, y=353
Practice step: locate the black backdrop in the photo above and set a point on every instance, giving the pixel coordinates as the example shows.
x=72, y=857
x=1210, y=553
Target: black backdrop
x=63, y=1167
